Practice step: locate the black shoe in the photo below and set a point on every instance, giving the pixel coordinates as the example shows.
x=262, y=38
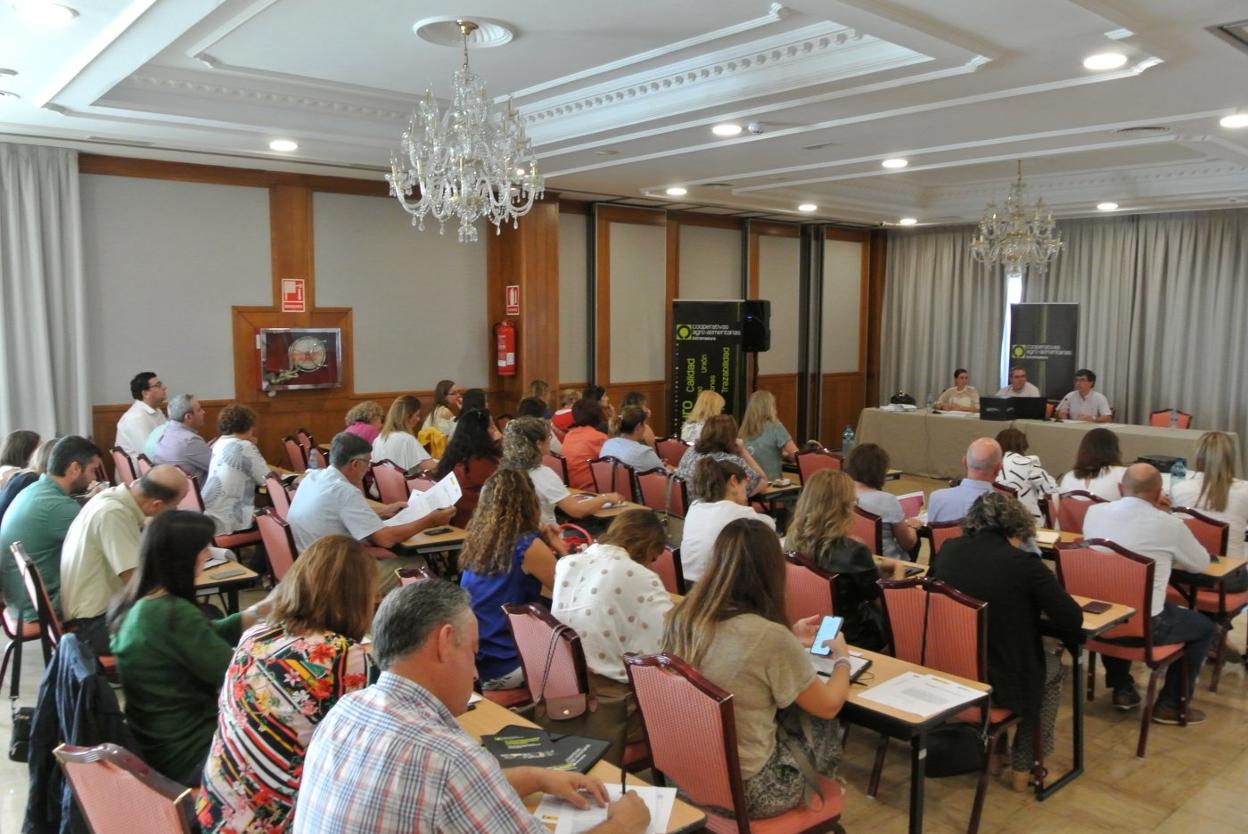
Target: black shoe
x=1126, y=698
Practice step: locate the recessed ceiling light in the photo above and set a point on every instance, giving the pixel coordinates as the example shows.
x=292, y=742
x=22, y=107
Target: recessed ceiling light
x=1104, y=61
x=284, y=145
x=907, y=221
x=807, y=207
x=677, y=191
x=726, y=129
x=895, y=162
x=47, y=14
x=1108, y=205
x=1234, y=120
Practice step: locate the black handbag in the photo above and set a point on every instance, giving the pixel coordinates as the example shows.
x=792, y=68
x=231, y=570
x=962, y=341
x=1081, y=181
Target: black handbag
x=19, y=741
x=954, y=749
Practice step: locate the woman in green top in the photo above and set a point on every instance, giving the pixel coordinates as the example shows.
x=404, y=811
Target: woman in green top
x=171, y=658
x=764, y=436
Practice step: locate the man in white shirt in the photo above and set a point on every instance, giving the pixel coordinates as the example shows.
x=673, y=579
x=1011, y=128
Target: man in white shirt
x=144, y=414
x=1083, y=403
x=1137, y=523
x=1019, y=386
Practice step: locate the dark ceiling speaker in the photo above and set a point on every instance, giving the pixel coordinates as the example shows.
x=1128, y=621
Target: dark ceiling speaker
x=756, y=326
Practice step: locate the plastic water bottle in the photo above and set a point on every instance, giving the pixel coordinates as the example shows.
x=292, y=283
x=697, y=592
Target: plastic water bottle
x=1178, y=473
x=847, y=439
x=314, y=459
x=929, y=403
x=1174, y=418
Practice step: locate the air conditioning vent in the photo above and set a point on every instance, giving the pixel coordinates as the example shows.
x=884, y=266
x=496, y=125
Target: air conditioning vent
x=1236, y=34
x=1143, y=130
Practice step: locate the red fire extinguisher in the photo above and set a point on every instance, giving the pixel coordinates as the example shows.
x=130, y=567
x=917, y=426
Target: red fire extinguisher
x=505, y=341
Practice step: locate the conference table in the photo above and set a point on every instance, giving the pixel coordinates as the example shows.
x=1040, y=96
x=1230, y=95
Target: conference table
x=932, y=444
x=226, y=579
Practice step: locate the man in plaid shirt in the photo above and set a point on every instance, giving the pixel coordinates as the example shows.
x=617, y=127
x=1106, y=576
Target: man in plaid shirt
x=392, y=758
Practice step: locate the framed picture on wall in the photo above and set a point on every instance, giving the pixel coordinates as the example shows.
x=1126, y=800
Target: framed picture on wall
x=299, y=358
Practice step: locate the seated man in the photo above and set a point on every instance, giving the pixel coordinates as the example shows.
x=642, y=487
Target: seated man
x=1083, y=403
x=1136, y=523
x=181, y=444
x=144, y=414
x=1019, y=386
x=102, y=548
x=331, y=502
x=981, y=462
x=39, y=518
x=392, y=758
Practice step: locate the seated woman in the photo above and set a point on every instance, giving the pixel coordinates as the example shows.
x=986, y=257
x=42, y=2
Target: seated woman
x=820, y=531
x=473, y=456
x=988, y=563
x=618, y=564
x=286, y=675
x=561, y=420
x=629, y=445
x=1214, y=490
x=540, y=390
x=718, y=440
x=446, y=406
x=170, y=657
x=364, y=420
x=1024, y=473
x=867, y=464
x=583, y=442
x=525, y=442
x=533, y=407
x=960, y=396
x=638, y=399
x=1098, y=466
x=765, y=437
x=397, y=441
x=504, y=560
x=19, y=447
x=732, y=628
x=719, y=489
x=707, y=405
x=237, y=467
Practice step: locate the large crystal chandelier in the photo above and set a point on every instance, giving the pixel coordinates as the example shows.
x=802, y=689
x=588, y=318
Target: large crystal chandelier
x=469, y=162
x=1011, y=238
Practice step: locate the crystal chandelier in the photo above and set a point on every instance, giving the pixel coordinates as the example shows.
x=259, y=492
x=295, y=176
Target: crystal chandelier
x=469, y=162
x=1011, y=238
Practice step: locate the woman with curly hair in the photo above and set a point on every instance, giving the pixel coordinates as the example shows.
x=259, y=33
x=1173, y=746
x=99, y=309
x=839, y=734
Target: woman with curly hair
x=473, y=456
x=364, y=420
x=504, y=560
x=236, y=469
x=526, y=441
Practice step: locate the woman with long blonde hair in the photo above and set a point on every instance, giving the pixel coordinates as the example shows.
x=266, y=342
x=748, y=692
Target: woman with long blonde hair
x=397, y=441
x=732, y=628
x=707, y=405
x=505, y=560
x=764, y=436
x=1214, y=490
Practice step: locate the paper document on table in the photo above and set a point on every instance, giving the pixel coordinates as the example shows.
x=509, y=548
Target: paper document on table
x=1047, y=538
x=445, y=493
x=561, y=818
x=219, y=556
x=923, y=695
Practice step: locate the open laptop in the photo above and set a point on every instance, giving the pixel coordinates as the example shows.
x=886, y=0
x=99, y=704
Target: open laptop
x=996, y=408
x=1029, y=408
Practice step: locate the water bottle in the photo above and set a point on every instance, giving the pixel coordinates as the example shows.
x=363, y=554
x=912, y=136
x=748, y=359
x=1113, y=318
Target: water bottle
x=1174, y=418
x=1177, y=473
x=847, y=439
x=314, y=459
x=929, y=403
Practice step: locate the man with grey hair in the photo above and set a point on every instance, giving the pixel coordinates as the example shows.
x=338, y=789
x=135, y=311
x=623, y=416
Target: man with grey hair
x=101, y=548
x=181, y=445
x=392, y=758
x=981, y=462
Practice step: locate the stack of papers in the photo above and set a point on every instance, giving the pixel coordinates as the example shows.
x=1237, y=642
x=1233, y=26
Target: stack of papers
x=562, y=818
x=445, y=493
x=219, y=557
x=923, y=695
x=1047, y=538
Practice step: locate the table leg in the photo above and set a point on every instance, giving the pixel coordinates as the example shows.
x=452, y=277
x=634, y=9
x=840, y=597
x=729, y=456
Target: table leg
x=231, y=601
x=918, y=772
x=1076, y=665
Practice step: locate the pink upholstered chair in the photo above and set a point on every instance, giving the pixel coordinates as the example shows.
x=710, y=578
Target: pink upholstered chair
x=119, y=794
x=279, y=496
x=669, y=569
x=279, y=542
x=50, y=629
x=671, y=450
x=941, y=532
x=1161, y=419
x=808, y=463
x=611, y=475
x=296, y=455
x=408, y=576
x=658, y=495
x=1072, y=507
x=124, y=471
x=868, y=528
x=808, y=589
x=390, y=480
x=557, y=465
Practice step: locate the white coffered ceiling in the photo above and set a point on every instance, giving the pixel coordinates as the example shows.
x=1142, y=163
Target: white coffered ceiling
x=619, y=97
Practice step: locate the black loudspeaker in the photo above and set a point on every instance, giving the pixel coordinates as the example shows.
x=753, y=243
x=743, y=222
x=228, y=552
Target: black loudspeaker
x=756, y=326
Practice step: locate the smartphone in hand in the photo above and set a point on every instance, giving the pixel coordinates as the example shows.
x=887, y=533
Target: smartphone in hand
x=828, y=629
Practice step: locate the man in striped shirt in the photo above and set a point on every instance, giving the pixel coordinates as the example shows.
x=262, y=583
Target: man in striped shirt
x=392, y=758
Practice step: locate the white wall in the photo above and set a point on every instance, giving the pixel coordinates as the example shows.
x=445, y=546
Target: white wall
x=842, y=290
x=710, y=263
x=419, y=297
x=638, y=295
x=779, y=281
x=165, y=261
x=573, y=300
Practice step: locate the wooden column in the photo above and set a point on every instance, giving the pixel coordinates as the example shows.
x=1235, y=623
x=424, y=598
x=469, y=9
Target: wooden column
x=527, y=257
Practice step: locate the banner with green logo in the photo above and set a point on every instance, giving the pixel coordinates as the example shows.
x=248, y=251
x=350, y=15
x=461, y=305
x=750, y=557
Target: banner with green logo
x=706, y=355
x=1043, y=340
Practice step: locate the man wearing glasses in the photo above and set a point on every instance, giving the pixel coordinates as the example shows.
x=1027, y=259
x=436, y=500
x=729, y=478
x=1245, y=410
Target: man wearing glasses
x=144, y=414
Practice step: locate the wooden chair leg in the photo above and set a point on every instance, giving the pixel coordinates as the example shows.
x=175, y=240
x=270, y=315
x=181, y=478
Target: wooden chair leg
x=981, y=788
x=1091, y=677
x=1146, y=714
x=878, y=768
x=1224, y=631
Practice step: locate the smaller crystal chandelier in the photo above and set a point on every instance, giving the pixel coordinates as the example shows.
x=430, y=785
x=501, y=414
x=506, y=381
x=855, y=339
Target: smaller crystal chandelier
x=1014, y=240
x=469, y=162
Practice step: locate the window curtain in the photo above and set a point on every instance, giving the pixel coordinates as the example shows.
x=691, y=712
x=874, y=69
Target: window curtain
x=43, y=382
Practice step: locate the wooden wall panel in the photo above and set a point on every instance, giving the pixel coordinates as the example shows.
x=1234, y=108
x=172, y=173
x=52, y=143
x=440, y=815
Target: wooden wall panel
x=784, y=388
x=843, y=399
x=655, y=392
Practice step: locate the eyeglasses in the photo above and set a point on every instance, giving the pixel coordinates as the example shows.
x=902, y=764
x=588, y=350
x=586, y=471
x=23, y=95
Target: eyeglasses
x=152, y=385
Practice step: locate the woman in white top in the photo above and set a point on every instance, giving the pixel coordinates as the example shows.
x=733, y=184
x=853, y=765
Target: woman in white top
x=1098, y=467
x=19, y=447
x=526, y=440
x=1214, y=490
x=721, y=495
x=446, y=403
x=397, y=441
x=961, y=397
x=707, y=405
x=234, y=472
x=1025, y=475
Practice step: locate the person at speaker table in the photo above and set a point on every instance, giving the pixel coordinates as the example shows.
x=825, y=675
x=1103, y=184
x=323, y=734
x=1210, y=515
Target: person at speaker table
x=144, y=414
x=765, y=437
x=1213, y=489
x=1024, y=473
x=1098, y=466
x=959, y=397
x=397, y=441
x=1137, y=522
x=1019, y=386
x=1083, y=403
x=707, y=405
x=526, y=440
x=867, y=464
x=628, y=445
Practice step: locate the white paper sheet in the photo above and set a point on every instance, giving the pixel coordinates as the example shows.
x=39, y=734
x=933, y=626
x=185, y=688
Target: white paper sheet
x=219, y=556
x=445, y=493
x=561, y=818
x=924, y=695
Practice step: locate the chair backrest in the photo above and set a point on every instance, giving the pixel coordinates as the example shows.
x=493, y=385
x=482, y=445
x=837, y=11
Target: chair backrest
x=305, y=439
x=911, y=504
x=1005, y=489
x=1161, y=419
x=956, y=636
x=193, y=500
x=123, y=467
x=671, y=449
x=409, y=575
x=1212, y=534
x=905, y=604
x=808, y=463
x=1072, y=507
x=691, y=731
x=669, y=569
x=941, y=532
x=37, y=596
x=278, y=495
x=557, y=465
x=143, y=464
x=539, y=636
x=808, y=589
x=654, y=492
x=1100, y=569
x=613, y=475
x=390, y=480
x=119, y=794
x=279, y=541
x=296, y=455
x=868, y=528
